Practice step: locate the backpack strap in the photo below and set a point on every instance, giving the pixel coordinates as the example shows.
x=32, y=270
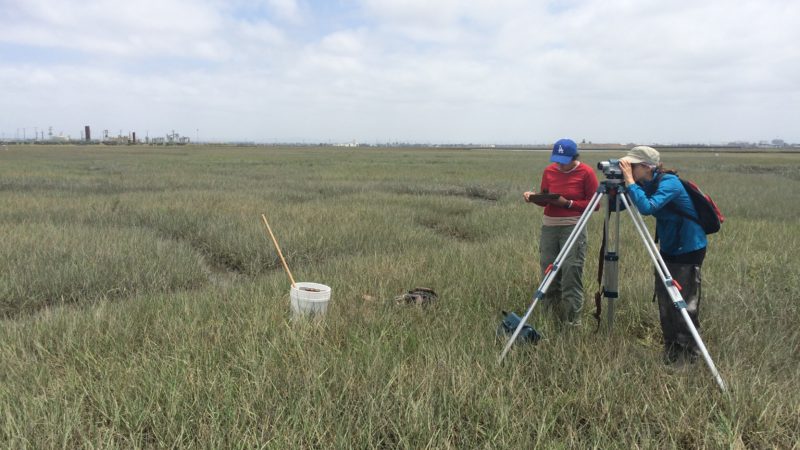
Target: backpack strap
x=674, y=208
x=654, y=186
x=671, y=205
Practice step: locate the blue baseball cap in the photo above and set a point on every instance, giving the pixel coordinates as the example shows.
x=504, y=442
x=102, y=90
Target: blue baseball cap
x=564, y=150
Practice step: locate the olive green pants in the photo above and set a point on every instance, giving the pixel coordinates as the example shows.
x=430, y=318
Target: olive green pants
x=564, y=297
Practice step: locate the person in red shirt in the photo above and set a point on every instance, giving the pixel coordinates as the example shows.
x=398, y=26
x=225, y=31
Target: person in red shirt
x=575, y=183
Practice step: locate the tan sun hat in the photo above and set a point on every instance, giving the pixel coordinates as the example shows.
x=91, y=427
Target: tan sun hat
x=643, y=155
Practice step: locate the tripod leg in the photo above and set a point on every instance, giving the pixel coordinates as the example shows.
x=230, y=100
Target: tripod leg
x=678, y=342
x=669, y=285
x=611, y=261
x=556, y=266
x=564, y=297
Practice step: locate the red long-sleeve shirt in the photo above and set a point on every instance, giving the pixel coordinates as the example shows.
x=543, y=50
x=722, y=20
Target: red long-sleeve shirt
x=578, y=185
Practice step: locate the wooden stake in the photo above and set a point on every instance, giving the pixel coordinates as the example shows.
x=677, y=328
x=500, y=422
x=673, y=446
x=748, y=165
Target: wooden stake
x=274, y=241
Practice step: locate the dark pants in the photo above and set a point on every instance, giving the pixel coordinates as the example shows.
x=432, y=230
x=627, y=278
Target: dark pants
x=685, y=269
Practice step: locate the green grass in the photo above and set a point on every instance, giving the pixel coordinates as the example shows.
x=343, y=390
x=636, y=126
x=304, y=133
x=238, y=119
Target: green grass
x=143, y=305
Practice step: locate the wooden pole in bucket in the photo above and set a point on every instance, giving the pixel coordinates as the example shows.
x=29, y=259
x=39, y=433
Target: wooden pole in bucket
x=277, y=247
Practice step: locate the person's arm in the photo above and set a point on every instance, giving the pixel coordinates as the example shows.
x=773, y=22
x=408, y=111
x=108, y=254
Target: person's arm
x=590, y=185
x=669, y=188
x=545, y=188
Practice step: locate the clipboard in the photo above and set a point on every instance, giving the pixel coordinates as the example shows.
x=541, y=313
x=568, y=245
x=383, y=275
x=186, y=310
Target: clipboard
x=543, y=197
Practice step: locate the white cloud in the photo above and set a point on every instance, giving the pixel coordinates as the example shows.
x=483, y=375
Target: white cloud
x=286, y=9
x=504, y=70
x=141, y=29
x=261, y=32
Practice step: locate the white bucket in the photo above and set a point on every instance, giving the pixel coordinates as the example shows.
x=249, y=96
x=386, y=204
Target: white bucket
x=309, y=298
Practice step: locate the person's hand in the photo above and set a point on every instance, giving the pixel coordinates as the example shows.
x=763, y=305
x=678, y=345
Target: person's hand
x=560, y=201
x=527, y=195
x=627, y=171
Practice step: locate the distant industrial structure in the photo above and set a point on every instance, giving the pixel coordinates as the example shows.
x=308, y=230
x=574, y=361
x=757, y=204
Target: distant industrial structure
x=37, y=135
x=23, y=136
x=354, y=143
x=172, y=138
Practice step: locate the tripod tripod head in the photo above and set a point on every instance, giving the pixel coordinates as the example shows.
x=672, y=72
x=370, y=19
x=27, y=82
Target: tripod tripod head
x=611, y=187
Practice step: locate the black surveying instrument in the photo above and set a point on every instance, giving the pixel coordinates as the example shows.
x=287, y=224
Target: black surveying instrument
x=618, y=198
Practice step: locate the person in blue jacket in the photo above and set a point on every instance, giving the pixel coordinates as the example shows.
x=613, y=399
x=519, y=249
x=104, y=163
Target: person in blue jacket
x=682, y=244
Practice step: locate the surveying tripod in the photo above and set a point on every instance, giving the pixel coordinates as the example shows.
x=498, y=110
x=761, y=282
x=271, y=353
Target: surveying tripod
x=617, y=192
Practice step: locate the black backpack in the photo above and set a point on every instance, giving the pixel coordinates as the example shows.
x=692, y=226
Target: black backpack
x=510, y=323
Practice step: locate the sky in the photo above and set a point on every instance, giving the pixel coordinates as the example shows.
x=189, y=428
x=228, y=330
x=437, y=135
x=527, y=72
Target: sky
x=422, y=71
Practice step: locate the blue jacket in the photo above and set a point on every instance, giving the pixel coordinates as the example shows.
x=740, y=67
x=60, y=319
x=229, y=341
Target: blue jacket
x=678, y=235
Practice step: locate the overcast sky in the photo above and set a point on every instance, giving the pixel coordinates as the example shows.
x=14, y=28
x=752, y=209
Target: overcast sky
x=429, y=71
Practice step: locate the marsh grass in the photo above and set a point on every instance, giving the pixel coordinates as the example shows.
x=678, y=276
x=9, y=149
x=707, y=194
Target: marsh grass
x=145, y=307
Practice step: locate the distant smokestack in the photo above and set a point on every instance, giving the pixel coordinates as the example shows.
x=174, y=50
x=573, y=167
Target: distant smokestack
x=88, y=133
x=134, y=137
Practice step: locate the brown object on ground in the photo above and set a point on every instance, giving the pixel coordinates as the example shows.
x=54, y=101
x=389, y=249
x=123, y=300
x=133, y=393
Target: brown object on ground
x=418, y=296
